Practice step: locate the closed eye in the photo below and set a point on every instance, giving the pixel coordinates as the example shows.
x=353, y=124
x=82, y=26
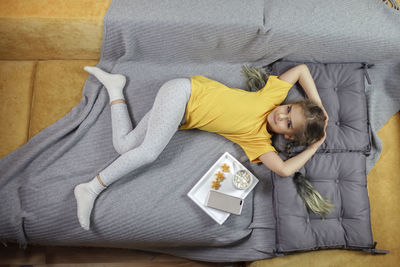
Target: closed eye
x=289, y=125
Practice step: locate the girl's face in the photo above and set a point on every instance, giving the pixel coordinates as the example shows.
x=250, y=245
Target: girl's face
x=286, y=120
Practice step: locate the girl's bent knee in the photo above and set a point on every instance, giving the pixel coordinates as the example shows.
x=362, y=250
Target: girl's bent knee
x=150, y=157
x=120, y=147
x=120, y=150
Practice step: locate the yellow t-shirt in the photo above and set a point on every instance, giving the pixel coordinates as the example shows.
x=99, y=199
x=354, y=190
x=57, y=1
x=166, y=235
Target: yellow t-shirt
x=236, y=114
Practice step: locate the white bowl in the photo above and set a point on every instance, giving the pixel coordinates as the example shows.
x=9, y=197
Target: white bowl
x=242, y=179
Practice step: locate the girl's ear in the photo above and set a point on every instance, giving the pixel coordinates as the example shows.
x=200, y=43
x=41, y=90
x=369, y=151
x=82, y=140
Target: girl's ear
x=290, y=137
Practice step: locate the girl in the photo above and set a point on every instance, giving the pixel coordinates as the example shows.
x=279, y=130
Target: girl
x=246, y=118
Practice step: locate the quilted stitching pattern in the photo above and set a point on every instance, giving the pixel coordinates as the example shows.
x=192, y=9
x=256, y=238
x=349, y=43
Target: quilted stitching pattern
x=337, y=170
x=341, y=88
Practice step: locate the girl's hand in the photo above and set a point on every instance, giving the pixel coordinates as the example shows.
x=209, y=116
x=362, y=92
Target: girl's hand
x=326, y=115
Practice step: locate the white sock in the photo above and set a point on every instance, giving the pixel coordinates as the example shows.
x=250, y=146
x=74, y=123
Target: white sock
x=114, y=83
x=86, y=194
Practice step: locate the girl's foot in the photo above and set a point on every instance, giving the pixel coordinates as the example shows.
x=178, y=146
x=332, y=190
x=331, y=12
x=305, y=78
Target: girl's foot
x=85, y=195
x=114, y=83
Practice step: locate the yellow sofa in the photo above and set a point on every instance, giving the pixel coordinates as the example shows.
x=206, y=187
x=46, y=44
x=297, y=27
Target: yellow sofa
x=44, y=45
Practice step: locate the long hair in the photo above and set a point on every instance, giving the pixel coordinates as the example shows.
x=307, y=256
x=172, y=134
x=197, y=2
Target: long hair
x=311, y=197
x=312, y=131
x=256, y=78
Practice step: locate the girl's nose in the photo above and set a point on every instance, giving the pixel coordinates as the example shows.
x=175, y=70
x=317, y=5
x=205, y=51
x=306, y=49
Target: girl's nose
x=281, y=116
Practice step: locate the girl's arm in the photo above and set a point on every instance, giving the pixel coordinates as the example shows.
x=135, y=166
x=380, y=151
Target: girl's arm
x=287, y=168
x=302, y=74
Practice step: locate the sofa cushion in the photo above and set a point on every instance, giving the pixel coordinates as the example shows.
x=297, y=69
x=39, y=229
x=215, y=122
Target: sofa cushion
x=341, y=88
x=339, y=177
x=337, y=170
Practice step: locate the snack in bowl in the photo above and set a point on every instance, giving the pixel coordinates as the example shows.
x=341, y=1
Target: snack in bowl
x=242, y=179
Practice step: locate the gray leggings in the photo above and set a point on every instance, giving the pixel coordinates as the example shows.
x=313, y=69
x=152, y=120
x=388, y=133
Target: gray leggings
x=145, y=143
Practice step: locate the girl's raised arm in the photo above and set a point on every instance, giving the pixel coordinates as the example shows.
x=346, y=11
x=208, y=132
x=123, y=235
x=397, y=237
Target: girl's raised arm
x=302, y=74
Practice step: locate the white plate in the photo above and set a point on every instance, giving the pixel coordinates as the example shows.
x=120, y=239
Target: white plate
x=199, y=192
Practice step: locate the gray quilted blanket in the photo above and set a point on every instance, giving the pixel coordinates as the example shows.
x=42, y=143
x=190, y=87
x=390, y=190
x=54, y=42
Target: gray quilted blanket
x=148, y=209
